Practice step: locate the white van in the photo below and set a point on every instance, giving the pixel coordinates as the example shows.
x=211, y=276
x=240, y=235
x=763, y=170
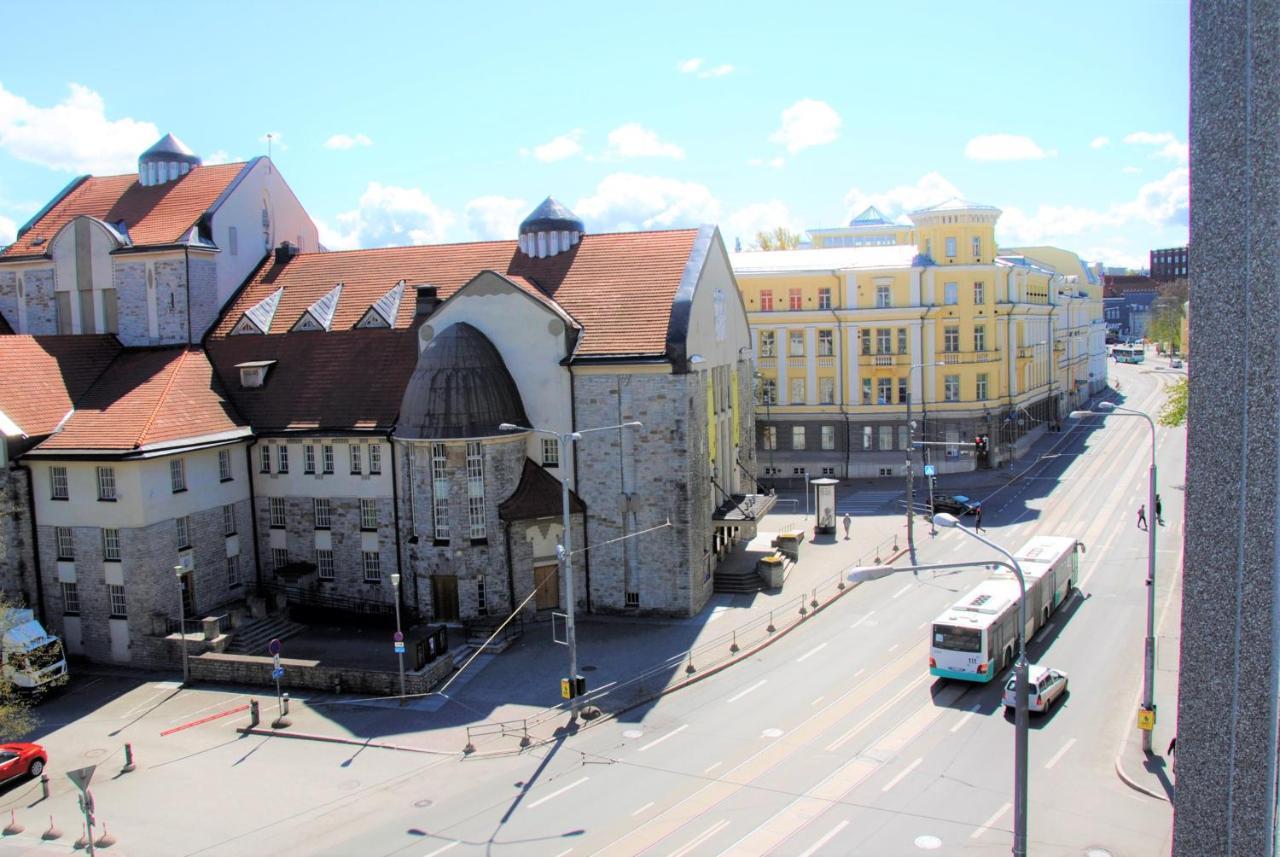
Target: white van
x=32, y=657
x=1044, y=686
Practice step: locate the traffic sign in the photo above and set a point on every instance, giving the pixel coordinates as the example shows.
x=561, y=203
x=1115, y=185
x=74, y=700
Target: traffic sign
x=277, y=673
x=399, y=647
x=81, y=776
x=274, y=647
x=930, y=470
x=398, y=637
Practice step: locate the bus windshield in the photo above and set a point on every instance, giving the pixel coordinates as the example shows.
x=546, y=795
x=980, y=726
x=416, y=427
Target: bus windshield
x=957, y=639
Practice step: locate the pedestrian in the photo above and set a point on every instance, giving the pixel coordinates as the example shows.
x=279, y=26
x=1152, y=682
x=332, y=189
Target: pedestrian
x=1159, y=517
x=1142, y=516
x=848, y=522
x=977, y=520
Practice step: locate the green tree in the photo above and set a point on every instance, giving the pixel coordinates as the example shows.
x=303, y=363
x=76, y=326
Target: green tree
x=780, y=238
x=1174, y=410
x=16, y=717
x=1167, y=314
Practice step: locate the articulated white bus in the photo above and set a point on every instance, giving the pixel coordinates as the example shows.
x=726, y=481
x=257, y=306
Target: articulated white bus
x=977, y=637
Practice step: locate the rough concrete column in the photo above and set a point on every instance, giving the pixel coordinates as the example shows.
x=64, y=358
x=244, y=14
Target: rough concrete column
x=1226, y=798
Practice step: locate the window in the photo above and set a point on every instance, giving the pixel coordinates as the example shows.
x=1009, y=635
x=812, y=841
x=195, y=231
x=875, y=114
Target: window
x=323, y=513
x=106, y=483
x=229, y=519
x=826, y=343
x=981, y=393
x=475, y=490
x=797, y=437
x=828, y=437
x=233, y=241
x=977, y=246
x=482, y=600
x=224, y=465
x=308, y=459
x=276, y=507
x=440, y=491
x=111, y=545
x=902, y=340
x=282, y=458
x=328, y=458
x=264, y=459
x=864, y=337
x=797, y=344
x=886, y=437
x=769, y=391
x=355, y=459
x=766, y=300
x=951, y=246
x=950, y=293
x=324, y=564
x=70, y=598
x=768, y=344
x=951, y=338
x=798, y=471
x=882, y=297
x=797, y=391
x=375, y=458
x=184, y=532
x=866, y=438
x=177, y=475
x=372, y=567
x=116, y=594
x=66, y=543
x=827, y=391
x=884, y=340
x=793, y=299
x=979, y=293
x=58, y=483
x=368, y=513
x=828, y=471
x=770, y=437
x=632, y=601
x=884, y=391
x=866, y=391
x=233, y=571
x=980, y=337
x=951, y=388
x=824, y=298
x=279, y=558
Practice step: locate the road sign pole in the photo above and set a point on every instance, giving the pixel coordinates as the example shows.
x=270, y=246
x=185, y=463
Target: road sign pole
x=277, y=673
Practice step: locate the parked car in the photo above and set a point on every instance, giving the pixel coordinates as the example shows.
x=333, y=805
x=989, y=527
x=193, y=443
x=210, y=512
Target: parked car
x=21, y=760
x=955, y=505
x=1044, y=687
x=1175, y=363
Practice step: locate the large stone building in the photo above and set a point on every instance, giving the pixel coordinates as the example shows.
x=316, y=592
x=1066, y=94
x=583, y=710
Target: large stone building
x=983, y=342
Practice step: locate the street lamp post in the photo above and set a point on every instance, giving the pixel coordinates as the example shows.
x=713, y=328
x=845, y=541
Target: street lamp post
x=395, y=585
x=1149, y=645
x=180, y=571
x=911, y=481
x=564, y=550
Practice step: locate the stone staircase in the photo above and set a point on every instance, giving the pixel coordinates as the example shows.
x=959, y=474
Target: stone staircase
x=737, y=580
x=252, y=638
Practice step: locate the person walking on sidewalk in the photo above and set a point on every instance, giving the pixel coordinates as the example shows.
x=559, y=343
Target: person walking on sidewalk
x=1159, y=517
x=977, y=520
x=1142, y=516
x=848, y=522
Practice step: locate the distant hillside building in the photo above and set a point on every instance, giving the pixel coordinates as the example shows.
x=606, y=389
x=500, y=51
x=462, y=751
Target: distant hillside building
x=1169, y=264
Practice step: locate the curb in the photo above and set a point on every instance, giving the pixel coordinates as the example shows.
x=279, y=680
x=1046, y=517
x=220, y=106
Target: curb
x=331, y=739
x=1135, y=785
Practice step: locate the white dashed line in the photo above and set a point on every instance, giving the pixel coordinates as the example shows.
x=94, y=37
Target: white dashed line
x=656, y=741
x=702, y=837
x=986, y=825
x=965, y=719
x=743, y=693
x=903, y=591
x=824, y=840
x=811, y=653
x=1058, y=755
x=816, y=701
x=712, y=767
x=642, y=809
x=903, y=775
x=558, y=792
x=861, y=620
x=443, y=849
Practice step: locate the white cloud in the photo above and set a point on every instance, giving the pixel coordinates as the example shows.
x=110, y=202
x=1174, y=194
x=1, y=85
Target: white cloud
x=624, y=202
x=930, y=189
x=1004, y=147
x=1164, y=202
x=719, y=71
x=221, y=156
x=807, y=123
x=1130, y=170
x=495, y=218
x=633, y=140
x=558, y=148
x=744, y=223
x=388, y=216
x=275, y=140
x=693, y=65
x=1099, y=142
x=690, y=65
x=1170, y=146
x=347, y=141
x=8, y=231
x=73, y=135
x=1113, y=257
x=776, y=163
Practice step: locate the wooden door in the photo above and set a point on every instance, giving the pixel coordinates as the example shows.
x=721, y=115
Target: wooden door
x=444, y=597
x=547, y=579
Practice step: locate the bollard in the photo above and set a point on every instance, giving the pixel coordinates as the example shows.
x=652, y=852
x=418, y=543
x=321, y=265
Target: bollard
x=106, y=840
x=469, y=749
x=525, y=740
x=733, y=647
x=129, y=766
x=771, y=629
x=52, y=833
x=690, y=669
x=285, y=697
x=814, y=602
x=13, y=827
x=84, y=841
x=44, y=786
x=253, y=713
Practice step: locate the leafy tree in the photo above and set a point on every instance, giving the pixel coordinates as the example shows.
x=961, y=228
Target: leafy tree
x=780, y=238
x=1167, y=314
x=16, y=718
x=1174, y=410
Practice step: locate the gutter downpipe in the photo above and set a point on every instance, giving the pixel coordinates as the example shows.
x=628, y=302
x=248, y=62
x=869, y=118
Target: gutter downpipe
x=253, y=512
x=186, y=253
x=395, y=511
x=35, y=539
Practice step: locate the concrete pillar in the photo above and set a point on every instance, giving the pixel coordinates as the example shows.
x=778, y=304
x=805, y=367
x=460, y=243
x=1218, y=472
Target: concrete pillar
x=1226, y=790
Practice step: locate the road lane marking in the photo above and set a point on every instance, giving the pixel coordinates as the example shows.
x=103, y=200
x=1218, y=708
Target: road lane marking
x=738, y=696
x=564, y=852
x=894, y=646
x=642, y=809
x=656, y=741
x=861, y=620
x=540, y=801
x=824, y=840
x=903, y=775
x=443, y=849
x=811, y=653
x=859, y=672
x=893, y=700
x=923, y=625
x=903, y=591
x=965, y=719
x=816, y=701
x=712, y=767
x=701, y=838
x=960, y=545
x=1058, y=755
x=995, y=816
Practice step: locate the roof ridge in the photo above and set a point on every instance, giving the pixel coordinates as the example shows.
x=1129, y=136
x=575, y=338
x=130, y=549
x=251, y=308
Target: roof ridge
x=168, y=384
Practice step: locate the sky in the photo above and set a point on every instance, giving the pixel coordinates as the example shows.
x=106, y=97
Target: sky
x=399, y=123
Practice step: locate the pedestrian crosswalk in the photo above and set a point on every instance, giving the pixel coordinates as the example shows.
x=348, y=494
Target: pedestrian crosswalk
x=865, y=502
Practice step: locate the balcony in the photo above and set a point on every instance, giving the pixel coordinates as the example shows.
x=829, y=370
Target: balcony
x=883, y=359
x=796, y=362
x=769, y=362
x=956, y=358
x=827, y=362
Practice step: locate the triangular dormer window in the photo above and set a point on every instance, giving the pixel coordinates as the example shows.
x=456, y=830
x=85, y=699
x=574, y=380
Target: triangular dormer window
x=257, y=319
x=384, y=310
x=319, y=316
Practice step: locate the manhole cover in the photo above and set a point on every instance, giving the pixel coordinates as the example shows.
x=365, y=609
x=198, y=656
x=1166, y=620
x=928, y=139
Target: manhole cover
x=587, y=668
x=423, y=804
x=928, y=843
x=1095, y=851
x=95, y=753
x=632, y=733
x=771, y=733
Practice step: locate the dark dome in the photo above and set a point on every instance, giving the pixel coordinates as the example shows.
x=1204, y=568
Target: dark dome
x=551, y=216
x=170, y=148
x=460, y=388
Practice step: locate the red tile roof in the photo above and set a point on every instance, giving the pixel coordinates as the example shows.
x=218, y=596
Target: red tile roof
x=149, y=396
x=620, y=287
x=41, y=376
x=159, y=214
x=343, y=380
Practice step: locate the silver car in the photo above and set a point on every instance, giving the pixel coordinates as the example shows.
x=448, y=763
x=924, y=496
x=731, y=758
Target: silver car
x=1044, y=686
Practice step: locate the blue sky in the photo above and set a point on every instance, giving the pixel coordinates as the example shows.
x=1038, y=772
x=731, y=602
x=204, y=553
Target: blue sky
x=422, y=123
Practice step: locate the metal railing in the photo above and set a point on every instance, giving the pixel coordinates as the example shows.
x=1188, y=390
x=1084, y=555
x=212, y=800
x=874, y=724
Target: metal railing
x=313, y=601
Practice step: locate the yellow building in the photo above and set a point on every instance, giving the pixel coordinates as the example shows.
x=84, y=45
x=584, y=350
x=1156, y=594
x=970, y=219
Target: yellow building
x=846, y=337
